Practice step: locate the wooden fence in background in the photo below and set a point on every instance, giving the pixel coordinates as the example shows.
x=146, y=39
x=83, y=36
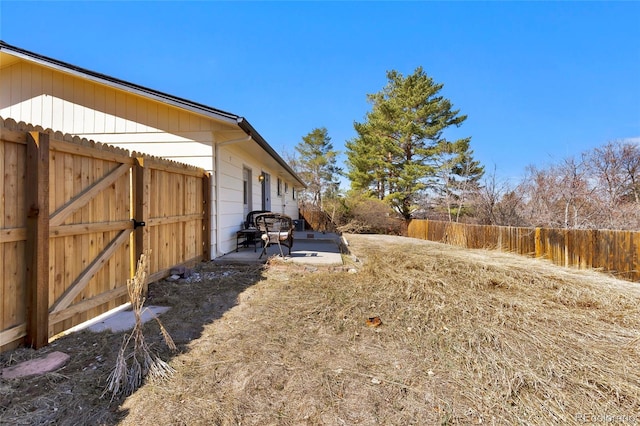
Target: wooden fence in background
x=74, y=217
x=317, y=219
x=617, y=252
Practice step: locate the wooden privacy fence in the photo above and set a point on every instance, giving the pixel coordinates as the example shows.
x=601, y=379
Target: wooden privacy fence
x=317, y=219
x=617, y=252
x=74, y=217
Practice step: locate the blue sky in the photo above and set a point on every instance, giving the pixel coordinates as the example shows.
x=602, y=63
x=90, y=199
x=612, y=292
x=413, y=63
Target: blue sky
x=539, y=81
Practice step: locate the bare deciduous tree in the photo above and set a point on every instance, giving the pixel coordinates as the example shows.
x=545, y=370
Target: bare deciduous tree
x=601, y=189
x=559, y=196
x=615, y=170
x=496, y=203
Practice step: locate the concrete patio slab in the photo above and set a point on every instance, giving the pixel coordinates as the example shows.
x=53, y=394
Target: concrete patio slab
x=318, y=252
x=309, y=248
x=125, y=320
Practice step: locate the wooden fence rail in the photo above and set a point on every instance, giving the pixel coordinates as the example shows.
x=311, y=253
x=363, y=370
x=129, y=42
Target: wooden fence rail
x=617, y=252
x=74, y=217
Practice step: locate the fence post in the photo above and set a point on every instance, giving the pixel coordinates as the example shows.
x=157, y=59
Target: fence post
x=140, y=188
x=595, y=250
x=206, y=220
x=635, y=265
x=567, y=236
x=37, y=244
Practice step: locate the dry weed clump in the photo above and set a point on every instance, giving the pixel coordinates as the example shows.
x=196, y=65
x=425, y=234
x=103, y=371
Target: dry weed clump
x=137, y=363
x=467, y=337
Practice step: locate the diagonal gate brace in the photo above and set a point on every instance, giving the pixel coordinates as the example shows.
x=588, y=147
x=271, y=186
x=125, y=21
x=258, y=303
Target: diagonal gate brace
x=59, y=216
x=83, y=279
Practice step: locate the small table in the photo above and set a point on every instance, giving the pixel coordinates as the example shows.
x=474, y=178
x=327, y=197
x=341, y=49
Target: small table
x=247, y=237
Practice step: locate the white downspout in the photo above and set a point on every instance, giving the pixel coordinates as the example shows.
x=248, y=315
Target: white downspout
x=217, y=172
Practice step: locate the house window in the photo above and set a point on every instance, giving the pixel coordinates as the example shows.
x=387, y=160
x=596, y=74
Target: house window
x=279, y=187
x=293, y=193
x=245, y=192
x=286, y=187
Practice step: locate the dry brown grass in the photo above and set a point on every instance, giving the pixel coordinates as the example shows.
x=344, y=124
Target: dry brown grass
x=467, y=337
x=73, y=394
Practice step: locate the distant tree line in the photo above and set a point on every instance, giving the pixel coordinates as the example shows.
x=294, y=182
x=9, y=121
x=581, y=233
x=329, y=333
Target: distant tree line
x=599, y=189
x=401, y=165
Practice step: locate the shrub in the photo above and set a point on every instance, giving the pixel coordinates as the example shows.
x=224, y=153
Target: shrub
x=366, y=215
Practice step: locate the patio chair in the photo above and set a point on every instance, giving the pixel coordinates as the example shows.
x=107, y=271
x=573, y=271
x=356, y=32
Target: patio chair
x=275, y=229
x=249, y=235
x=250, y=221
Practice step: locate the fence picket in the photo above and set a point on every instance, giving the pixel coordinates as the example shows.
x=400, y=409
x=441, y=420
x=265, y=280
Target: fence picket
x=617, y=252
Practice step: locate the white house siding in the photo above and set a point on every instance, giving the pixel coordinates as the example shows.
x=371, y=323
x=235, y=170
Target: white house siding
x=230, y=202
x=53, y=99
x=286, y=203
x=62, y=102
x=232, y=162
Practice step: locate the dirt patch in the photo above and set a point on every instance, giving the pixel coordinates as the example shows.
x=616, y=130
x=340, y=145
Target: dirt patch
x=465, y=337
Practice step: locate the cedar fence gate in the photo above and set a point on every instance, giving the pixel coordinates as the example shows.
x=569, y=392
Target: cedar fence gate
x=75, y=216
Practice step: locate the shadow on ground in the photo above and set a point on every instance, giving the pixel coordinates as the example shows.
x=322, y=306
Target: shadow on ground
x=74, y=394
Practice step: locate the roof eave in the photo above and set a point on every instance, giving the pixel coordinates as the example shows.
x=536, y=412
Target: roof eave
x=249, y=130
x=119, y=84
